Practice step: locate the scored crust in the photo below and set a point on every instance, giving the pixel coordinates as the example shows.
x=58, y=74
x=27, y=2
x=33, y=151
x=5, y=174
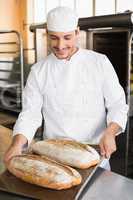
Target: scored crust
x=68, y=152
x=51, y=175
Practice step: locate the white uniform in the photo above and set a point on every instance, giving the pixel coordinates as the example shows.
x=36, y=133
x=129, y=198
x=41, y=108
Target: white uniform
x=76, y=97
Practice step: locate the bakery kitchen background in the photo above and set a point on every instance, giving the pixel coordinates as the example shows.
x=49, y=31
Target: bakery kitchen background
x=63, y=168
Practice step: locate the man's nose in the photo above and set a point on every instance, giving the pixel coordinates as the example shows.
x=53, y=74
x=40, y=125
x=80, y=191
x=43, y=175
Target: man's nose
x=61, y=44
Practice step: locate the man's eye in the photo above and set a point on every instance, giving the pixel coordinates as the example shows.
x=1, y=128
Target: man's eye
x=67, y=38
x=53, y=38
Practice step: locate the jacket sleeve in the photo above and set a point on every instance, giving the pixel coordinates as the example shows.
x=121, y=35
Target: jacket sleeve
x=30, y=117
x=114, y=96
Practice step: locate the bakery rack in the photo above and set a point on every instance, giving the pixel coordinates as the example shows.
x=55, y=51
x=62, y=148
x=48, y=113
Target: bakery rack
x=11, y=70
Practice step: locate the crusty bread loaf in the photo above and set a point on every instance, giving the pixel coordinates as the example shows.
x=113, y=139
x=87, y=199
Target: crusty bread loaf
x=43, y=172
x=68, y=152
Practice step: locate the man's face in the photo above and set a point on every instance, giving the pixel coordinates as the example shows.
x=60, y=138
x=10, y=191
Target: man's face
x=63, y=45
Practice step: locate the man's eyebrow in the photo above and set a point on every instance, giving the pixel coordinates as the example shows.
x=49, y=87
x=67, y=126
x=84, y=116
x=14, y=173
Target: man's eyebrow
x=53, y=35
x=68, y=35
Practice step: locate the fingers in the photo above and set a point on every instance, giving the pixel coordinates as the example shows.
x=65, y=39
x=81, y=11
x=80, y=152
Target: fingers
x=11, y=152
x=106, y=149
x=102, y=150
x=107, y=146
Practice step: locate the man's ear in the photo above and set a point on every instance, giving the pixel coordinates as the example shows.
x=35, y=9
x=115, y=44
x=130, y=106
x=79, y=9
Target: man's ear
x=77, y=30
x=46, y=31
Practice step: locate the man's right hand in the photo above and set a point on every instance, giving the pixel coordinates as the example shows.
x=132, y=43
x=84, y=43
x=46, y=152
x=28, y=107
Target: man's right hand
x=15, y=148
x=12, y=151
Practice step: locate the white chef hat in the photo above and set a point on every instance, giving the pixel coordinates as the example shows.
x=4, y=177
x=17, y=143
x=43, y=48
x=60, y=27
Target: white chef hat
x=62, y=19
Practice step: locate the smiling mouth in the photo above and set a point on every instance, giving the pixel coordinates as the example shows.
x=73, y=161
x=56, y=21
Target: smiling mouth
x=60, y=52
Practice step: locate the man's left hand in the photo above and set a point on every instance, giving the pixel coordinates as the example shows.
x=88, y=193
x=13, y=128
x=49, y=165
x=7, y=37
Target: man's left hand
x=107, y=144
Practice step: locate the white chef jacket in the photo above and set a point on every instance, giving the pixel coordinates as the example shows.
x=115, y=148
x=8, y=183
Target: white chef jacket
x=76, y=97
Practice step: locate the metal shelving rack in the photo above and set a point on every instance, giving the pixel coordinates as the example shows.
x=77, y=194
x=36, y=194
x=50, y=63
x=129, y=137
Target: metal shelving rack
x=11, y=88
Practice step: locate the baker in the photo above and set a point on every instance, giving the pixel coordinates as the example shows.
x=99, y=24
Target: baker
x=76, y=91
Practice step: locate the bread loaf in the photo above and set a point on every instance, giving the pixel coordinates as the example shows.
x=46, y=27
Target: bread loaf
x=43, y=172
x=67, y=152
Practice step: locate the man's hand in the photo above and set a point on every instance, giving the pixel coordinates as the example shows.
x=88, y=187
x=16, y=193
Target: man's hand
x=107, y=143
x=15, y=148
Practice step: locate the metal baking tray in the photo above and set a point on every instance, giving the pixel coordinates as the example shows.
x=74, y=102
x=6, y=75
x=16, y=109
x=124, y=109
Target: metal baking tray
x=11, y=184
